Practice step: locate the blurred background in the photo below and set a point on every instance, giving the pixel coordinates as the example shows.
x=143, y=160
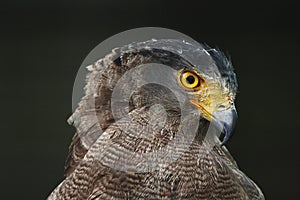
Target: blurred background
x=43, y=43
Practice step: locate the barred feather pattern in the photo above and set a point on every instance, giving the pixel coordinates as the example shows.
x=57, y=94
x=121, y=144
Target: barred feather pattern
x=103, y=144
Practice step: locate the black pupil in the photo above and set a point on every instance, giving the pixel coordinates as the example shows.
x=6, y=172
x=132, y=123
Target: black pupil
x=190, y=79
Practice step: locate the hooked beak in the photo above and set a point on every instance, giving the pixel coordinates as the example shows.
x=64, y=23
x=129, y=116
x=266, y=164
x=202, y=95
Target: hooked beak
x=225, y=121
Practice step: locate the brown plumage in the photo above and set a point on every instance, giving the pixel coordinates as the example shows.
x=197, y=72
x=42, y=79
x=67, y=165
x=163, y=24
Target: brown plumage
x=102, y=163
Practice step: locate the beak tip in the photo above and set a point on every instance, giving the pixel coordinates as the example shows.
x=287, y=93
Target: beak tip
x=226, y=121
x=228, y=131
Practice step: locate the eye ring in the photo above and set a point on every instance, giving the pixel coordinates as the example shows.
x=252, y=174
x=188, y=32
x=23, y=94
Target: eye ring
x=189, y=80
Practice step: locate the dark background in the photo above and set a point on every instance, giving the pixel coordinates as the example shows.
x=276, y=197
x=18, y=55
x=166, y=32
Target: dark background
x=42, y=45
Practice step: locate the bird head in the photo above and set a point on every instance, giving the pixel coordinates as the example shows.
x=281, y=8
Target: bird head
x=204, y=74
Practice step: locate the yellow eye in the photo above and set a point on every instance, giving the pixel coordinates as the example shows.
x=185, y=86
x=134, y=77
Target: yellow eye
x=190, y=80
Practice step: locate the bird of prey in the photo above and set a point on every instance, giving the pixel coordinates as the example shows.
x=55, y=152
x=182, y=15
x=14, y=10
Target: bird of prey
x=143, y=127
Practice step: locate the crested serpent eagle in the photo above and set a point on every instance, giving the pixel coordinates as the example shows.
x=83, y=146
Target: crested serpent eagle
x=147, y=127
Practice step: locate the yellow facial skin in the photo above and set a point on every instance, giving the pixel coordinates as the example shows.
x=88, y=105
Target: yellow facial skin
x=207, y=96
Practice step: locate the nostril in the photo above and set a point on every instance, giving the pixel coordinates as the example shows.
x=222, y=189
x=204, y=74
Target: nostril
x=221, y=107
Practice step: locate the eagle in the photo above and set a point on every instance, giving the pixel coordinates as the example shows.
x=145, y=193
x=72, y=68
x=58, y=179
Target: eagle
x=153, y=124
